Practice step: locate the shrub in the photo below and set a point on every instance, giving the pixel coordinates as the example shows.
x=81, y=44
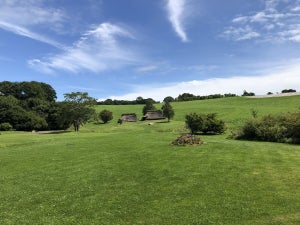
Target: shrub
x=5, y=127
x=284, y=128
x=193, y=122
x=106, y=115
x=187, y=139
x=204, y=123
x=292, y=123
x=288, y=91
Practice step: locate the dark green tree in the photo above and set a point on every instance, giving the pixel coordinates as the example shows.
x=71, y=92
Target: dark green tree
x=25, y=90
x=77, y=109
x=106, y=115
x=140, y=100
x=168, y=111
x=245, y=93
x=149, y=106
x=21, y=119
x=288, y=91
x=204, y=123
x=169, y=99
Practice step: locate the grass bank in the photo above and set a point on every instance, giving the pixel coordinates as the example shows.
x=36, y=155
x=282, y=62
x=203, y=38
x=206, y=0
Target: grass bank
x=130, y=174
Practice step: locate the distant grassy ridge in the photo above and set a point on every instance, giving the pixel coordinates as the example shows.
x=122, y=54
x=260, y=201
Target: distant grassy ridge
x=131, y=174
x=234, y=111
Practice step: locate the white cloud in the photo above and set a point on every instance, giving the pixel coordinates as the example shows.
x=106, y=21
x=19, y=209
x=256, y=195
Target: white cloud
x=176, y=10
x=98, y=49
x=29, y=13
x=278, y=17
x=146, y=68
x=274, y=81
x=27, y=33
x=24, y=17
x=296, y=9
x=240, y=33
x=240, y=19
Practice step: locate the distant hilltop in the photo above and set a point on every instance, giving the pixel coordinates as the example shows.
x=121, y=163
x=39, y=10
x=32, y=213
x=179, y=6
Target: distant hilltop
x=275, y=95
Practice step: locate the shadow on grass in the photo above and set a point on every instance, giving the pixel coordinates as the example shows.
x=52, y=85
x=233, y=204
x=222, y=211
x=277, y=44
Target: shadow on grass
x=52, y=132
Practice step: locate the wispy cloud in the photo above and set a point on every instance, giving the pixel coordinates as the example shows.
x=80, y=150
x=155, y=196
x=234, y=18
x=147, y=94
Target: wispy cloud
x=176, y=10
x=286, y=76
x=27, y=33
x=25, y=17
x=146, y=68
x=99, y=49
x=240, y=33
x=279, y=21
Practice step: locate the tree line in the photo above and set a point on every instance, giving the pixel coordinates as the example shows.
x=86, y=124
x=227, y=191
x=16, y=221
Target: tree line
x=27, y=106
x=182, y=97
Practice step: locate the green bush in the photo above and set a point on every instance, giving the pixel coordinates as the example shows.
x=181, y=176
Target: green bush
x=292, y=123
x=5, y=127
x=204, y=123
x=283, y=128
x=106, y=115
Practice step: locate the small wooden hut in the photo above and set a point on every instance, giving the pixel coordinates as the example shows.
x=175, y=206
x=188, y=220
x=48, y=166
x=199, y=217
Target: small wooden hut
x=153, y=115
x=128, y=117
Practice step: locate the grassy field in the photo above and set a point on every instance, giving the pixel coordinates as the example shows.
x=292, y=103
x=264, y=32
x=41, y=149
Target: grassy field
x=130, y=174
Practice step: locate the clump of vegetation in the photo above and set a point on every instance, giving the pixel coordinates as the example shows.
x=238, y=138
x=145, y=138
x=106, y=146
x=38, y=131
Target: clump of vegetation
x=77, y=109
x=288, y=91
x=32, y=106
x=204, y=123
x=106, y=115
x=168, y=111
x=187, y=139
x=148, y=106
x=5, y=127
x=245, y=93
x=283, y=128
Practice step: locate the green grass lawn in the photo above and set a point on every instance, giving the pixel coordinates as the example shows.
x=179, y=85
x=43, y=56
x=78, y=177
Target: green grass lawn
x=130, y=174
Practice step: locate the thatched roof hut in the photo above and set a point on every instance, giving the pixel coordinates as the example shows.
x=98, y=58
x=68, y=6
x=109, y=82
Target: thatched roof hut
x=128, y=117
x=153, y=115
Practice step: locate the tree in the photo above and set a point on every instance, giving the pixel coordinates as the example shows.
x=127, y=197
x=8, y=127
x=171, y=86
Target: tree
x=106, y=115
x=140, y=100
x=169, y=99
x=193, y=122
x=21, y=119
x=204, y=123
x=27, y=104
x=288, y=91
x=245, y=93
x=168, y=111
x=77, y=108
x=149, y=106
x=186, y=97
x=25, y=90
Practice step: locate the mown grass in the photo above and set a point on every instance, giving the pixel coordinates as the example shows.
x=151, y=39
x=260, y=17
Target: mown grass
x=130, y=174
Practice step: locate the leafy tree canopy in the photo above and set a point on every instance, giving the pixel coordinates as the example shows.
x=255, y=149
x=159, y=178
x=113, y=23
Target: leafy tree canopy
x=149, y=106
x=25, y=90
x=77, y=109
x=168, y=111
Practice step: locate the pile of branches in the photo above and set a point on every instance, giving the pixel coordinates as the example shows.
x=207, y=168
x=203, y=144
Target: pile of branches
x=187, y=139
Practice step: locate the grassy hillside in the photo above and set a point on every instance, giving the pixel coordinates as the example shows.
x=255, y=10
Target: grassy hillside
x=130, y=174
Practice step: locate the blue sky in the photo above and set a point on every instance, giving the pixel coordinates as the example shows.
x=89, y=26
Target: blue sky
x=122, y=49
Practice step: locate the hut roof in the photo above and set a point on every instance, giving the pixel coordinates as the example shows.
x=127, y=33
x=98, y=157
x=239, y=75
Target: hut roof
x=129, y=117
x=153, y=115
